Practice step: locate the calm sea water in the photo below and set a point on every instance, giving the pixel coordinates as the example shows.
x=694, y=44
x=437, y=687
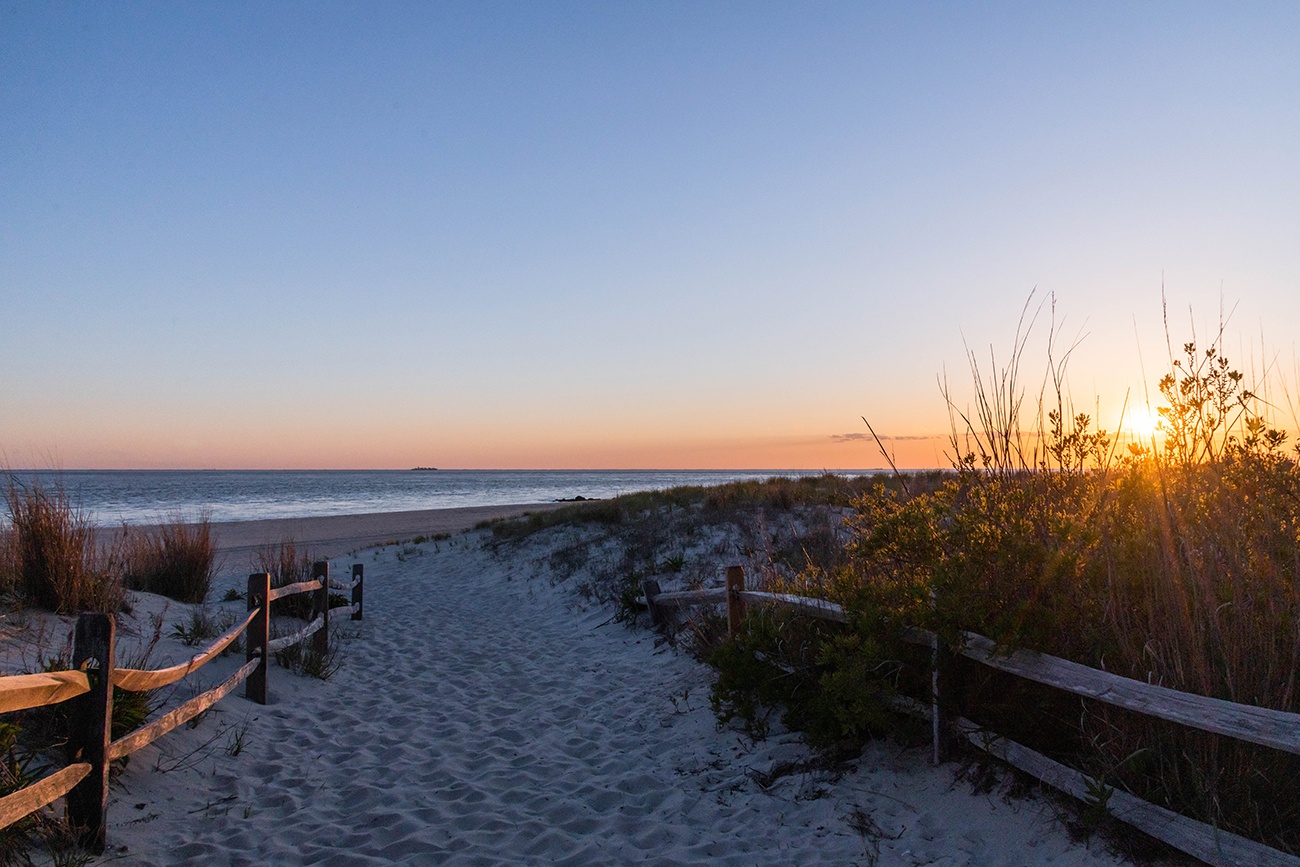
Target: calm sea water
x=149, y=496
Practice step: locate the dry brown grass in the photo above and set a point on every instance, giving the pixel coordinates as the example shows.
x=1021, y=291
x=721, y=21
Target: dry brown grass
x=8, y=566
x=287, y=564
x=54, y=559
x=177, y=560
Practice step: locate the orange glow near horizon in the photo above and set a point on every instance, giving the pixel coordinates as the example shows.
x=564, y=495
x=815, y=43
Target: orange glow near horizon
x=402, y=451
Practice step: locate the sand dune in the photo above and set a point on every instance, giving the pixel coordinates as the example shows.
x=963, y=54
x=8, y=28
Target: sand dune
x=481, y=717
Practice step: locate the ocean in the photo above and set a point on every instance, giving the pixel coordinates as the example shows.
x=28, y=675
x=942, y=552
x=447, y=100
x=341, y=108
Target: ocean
x=111, y=497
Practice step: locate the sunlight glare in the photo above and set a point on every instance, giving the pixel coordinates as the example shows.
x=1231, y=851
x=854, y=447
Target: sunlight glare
x=1141, y=422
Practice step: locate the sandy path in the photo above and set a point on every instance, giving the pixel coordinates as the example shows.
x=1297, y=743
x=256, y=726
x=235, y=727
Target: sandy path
x=480, y=719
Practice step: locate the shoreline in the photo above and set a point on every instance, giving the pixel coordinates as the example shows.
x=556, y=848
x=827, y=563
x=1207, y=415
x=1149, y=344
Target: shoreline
x=328, y=536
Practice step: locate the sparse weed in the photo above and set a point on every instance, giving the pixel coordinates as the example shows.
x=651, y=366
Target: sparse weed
x=201, y=626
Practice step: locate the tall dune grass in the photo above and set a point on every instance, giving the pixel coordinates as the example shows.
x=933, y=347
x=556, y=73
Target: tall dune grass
x=176, y=560
x=53, y=558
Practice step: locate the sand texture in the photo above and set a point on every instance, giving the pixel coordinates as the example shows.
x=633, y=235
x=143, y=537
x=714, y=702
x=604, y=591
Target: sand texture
x=480, y=717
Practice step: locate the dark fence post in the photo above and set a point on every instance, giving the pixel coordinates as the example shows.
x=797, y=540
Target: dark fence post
x=89, y=727
x=320, y=641
x=735, y=605
x=650, y=587
x=358, y=580
x=941, y=666
x=259, y=633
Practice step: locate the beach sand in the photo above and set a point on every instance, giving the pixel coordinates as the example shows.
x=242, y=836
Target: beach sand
x=482, y=715
x=334, y=535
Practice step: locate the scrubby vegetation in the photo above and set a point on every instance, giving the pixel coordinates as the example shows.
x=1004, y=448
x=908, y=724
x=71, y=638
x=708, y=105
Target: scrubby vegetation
x=51, y=557
x=1173, y=560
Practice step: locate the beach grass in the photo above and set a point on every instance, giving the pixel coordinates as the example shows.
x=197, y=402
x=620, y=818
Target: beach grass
x=287, y=563
x=51, y=556
x=177, y=560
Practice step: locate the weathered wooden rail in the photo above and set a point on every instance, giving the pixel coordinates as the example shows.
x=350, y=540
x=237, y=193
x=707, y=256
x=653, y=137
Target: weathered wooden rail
x=88, y=689
x=1271, y=728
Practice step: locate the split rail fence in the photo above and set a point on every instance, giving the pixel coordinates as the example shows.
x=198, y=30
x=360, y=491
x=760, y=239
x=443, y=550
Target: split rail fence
x=88, y=690
x=1271, y=728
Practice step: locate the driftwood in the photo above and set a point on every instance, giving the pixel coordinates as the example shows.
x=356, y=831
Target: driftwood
x=22, y=691
x=24, y=801
x=142, y=737
x=139, y=681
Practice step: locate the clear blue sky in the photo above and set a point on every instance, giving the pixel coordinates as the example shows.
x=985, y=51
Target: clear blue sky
x=614, y=234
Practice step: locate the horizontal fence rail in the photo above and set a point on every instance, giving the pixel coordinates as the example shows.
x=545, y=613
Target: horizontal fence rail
x=140, y=681
x=22, y=691
x=26, y=801
x=89, y=690
x=1271, y=728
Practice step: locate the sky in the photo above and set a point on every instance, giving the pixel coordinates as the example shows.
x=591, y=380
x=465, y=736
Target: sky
x=622, y=235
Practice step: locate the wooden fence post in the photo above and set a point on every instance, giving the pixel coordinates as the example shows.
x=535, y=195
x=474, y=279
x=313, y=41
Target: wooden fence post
x=259, y=633
x=938, y=718
x=89, y=728
x=650, y=587
x=358, y=581
x=735, y=605
x=320, y=641
x=941, y=663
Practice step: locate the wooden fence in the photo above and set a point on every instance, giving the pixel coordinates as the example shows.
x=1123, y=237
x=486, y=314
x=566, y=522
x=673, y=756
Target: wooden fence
x=88, y=689
x=1271, y=728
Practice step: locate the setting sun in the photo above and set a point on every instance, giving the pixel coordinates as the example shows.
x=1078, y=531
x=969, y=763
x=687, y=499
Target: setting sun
x=1141, y=422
